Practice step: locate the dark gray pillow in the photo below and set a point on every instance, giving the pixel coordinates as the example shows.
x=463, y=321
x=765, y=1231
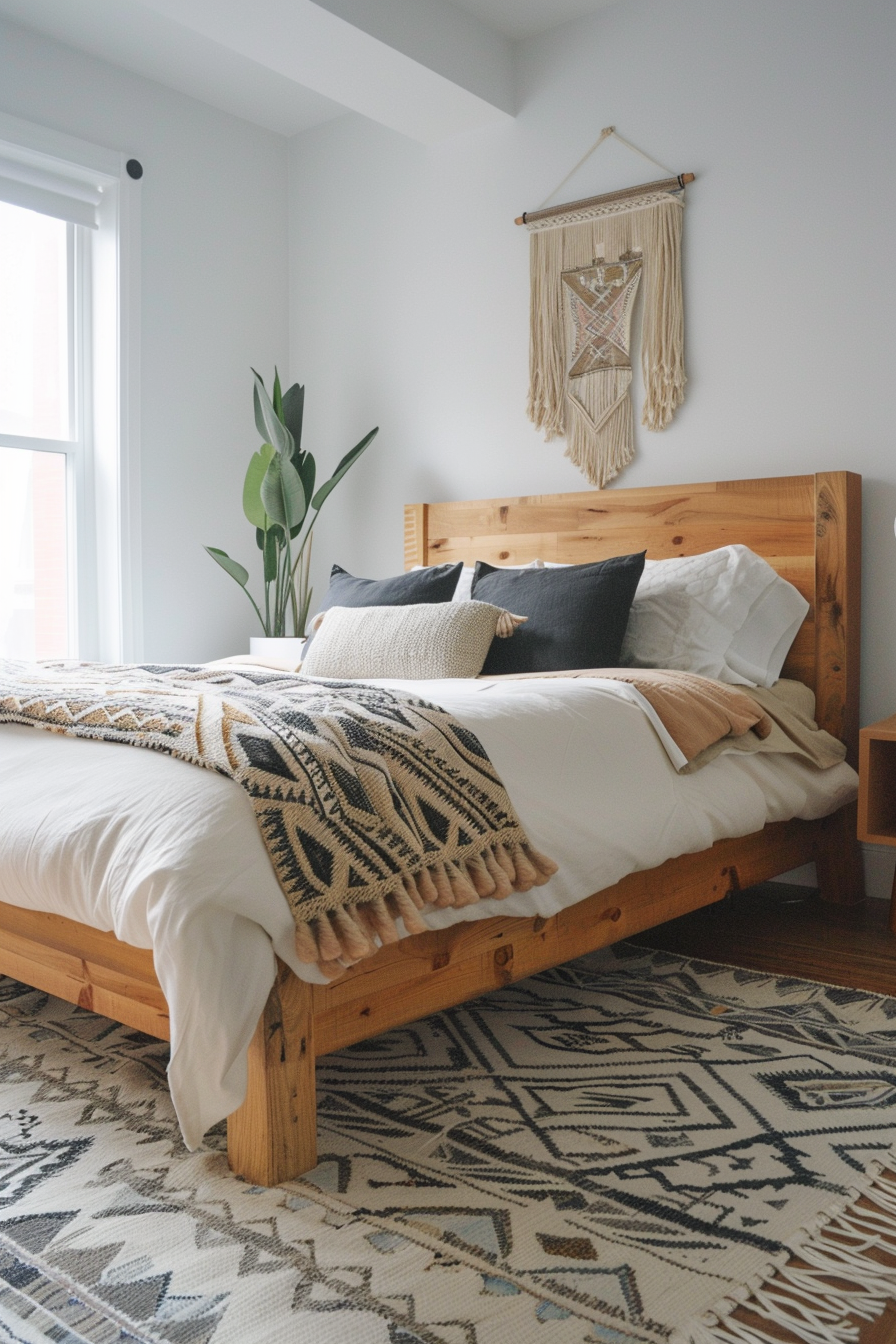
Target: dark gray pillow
x=577, y=614
x=435, y=584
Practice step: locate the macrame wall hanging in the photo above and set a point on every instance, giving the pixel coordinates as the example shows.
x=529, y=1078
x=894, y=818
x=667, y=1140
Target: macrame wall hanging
x=588, y=260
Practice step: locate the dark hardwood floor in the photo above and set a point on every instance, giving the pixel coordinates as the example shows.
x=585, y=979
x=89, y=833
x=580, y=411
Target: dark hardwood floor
x=787, y=929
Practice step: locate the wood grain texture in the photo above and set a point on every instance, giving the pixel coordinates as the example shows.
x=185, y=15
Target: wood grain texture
x=877, y=782
x=414, y=535
x=273, y=1135
x=838, y=596
x=85, y=966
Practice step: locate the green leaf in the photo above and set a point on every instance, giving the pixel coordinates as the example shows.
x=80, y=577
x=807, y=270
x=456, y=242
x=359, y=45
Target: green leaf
x=259, y=419
x=252, y=505
x=271, y=555
x=271, y=494
x=348, y=461
x=233, y=567
x=259, y=538
x=307, y=469
x=293, y=412
x=277, y=396
x=270, y=426
x=294, y=498
x=282, y=494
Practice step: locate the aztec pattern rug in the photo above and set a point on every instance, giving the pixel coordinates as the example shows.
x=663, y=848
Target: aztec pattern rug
x=371, y=803
x=604, y=1152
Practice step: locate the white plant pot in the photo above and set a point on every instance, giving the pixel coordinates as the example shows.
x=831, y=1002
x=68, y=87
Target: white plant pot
x=286, y=651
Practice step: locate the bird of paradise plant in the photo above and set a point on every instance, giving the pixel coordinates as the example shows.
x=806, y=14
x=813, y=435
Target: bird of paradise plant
x=280, y=502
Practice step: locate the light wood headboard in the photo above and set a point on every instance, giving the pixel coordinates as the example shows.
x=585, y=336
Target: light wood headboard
x=807, y=527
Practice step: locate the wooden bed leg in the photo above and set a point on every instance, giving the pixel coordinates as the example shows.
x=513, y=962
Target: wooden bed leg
x=273, y=1135
x=838, y=861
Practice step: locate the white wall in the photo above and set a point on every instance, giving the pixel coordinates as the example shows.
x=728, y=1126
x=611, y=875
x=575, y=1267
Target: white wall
x=214, y=302
x=409, y=281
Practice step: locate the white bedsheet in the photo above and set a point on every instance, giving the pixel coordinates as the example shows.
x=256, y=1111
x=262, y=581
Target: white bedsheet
x=581, y=761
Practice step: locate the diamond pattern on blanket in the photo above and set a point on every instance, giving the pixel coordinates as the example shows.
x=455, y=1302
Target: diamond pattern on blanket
x=371, y=803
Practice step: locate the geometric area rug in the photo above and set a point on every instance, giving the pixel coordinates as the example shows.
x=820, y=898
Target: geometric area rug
x=634, y=1147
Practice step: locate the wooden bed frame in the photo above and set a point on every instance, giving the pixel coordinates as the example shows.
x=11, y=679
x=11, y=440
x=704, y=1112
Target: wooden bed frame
x=807, y=527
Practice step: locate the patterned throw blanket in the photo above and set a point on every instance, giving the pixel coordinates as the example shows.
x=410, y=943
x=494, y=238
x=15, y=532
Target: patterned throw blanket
x=372, y=804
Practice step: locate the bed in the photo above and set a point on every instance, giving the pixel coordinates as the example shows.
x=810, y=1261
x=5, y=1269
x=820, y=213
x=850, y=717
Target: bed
x=806, y=527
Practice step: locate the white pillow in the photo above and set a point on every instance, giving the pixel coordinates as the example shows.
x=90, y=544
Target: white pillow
x=725, y=614
x=763, y=642
x=417, y=642
x=462, y=592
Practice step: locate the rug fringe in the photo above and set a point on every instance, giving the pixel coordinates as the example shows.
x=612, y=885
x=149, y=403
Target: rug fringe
x=339, y=938
x=837, y=1277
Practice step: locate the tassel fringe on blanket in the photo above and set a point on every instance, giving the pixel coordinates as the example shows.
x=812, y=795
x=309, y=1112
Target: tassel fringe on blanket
x=839, y=1273
x=350, y=933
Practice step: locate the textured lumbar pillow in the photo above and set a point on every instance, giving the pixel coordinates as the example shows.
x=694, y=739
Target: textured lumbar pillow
x=418, y=642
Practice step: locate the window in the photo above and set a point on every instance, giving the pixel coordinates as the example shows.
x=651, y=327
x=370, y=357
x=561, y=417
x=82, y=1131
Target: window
x=69, y=581
x=38, y=374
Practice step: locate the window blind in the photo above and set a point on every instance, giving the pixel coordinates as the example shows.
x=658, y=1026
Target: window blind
x=48, y=191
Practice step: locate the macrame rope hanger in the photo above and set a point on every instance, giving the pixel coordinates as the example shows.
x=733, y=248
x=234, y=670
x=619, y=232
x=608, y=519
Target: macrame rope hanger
x=674, y=182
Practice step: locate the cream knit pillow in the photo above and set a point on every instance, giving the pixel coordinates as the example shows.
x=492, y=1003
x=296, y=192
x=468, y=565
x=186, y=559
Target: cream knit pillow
x=418, y=642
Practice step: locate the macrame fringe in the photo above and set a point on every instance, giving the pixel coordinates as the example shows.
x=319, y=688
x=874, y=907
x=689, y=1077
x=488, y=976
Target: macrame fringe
x=846, y=1268
x=599, y=437
x=336, y=940
x=546, y=406
x=559, y=406
x=662, y=337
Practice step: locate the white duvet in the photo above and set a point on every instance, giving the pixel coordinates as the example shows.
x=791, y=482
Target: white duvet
x=169, y=856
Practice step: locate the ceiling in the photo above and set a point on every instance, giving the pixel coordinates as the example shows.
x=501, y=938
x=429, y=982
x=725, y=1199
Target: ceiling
x=426, y=68
x=519, y=19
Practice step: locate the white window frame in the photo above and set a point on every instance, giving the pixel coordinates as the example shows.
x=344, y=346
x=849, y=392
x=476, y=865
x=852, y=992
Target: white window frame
x=106, y=610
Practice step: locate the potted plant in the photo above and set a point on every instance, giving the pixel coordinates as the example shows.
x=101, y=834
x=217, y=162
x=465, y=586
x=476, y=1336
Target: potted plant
x=280, y=501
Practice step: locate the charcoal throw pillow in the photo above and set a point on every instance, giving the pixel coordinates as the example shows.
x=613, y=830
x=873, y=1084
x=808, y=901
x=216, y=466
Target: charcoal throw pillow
x=435, y=584
x=576, y=615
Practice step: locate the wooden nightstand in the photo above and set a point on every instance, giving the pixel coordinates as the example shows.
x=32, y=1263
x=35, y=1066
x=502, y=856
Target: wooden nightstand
x=877, y=789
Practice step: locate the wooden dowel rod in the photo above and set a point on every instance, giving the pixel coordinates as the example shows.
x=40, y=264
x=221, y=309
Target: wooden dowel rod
x=627, y=193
